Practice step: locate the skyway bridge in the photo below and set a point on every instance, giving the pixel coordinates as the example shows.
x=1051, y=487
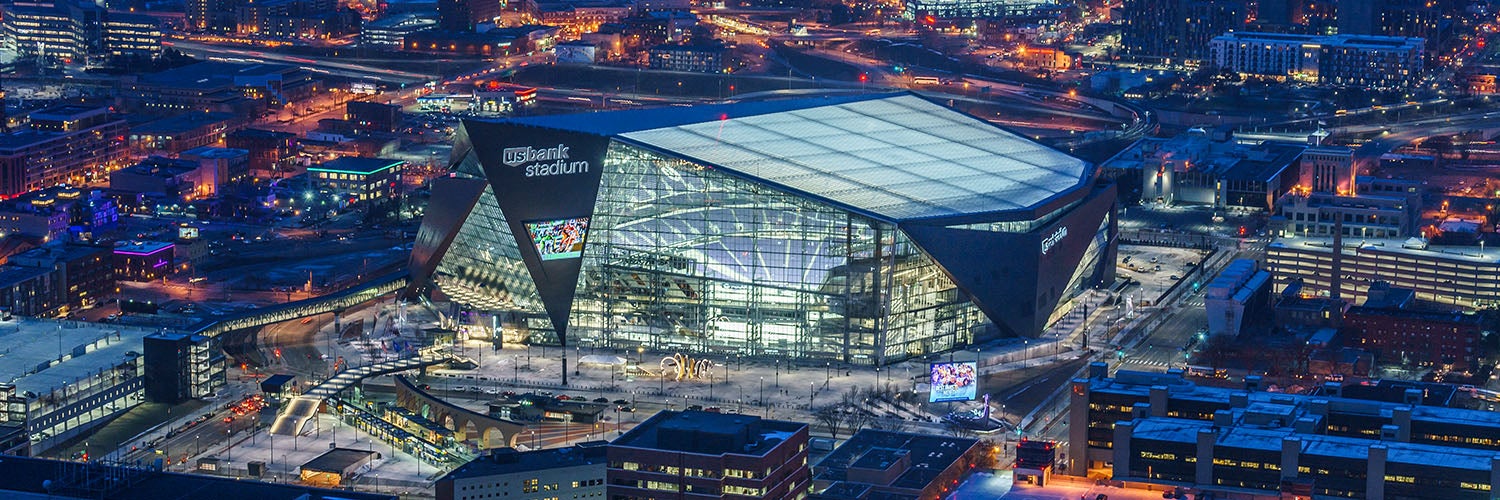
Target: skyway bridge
x=295, y=414
x=332, y=302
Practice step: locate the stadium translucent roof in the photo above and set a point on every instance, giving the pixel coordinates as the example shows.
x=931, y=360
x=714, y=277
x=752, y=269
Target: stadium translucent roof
x=898, y=156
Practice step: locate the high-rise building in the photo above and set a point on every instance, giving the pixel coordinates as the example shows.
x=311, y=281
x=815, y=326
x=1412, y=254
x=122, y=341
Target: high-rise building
x=214, y=16
x=63, y=144
x=1177, y=31
x=132, y=34
x=1406, y=18
x=464, y=15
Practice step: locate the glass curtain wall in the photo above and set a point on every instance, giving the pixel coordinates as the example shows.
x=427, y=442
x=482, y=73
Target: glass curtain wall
x=681, y=257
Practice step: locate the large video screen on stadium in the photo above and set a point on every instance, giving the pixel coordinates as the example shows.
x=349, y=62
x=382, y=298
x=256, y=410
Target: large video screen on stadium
x=954, y=381
x=559, y=239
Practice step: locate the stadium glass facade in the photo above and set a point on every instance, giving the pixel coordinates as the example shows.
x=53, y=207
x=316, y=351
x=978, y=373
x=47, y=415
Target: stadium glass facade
x=682, y=254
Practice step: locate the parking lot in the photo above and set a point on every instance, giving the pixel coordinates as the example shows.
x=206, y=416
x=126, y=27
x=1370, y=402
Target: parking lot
x=1156, y=268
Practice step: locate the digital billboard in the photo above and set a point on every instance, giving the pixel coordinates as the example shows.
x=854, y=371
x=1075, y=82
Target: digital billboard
x=559, y=239
x=954, y=381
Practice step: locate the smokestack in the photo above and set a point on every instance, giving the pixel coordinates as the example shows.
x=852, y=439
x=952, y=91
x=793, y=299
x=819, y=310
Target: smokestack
x=1336, y=284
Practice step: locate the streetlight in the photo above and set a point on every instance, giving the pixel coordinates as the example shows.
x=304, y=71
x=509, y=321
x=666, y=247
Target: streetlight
x=809, y=396
x=762, y=391
x=827, y=372
x=778, y=373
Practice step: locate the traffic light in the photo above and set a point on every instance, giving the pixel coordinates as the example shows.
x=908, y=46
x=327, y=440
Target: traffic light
x=864, y=77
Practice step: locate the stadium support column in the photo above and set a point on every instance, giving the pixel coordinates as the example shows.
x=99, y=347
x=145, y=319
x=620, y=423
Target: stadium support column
x=879, y=303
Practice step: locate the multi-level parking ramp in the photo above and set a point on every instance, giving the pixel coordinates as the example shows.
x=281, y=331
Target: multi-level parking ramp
x=296, y=413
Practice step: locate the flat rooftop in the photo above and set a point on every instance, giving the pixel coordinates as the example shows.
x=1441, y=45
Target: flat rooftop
x=510, y=461
x=339, y=460
x=32, y=349
x=1186, y=431
x=142, y=247
x=930, y=456
x=215, y=152
x=33, y=476
x=357, y=165
x=181, y=124
x=1396, y=246
x=709, y=433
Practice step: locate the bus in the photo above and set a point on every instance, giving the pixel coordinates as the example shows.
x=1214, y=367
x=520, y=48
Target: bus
x=1205, y=371
x=926, y=80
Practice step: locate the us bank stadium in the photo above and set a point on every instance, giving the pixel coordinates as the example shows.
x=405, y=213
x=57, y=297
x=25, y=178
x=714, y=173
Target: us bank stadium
x=865, y=229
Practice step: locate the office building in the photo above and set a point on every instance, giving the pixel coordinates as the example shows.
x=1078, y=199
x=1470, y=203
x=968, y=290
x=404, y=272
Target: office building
x=182, y=366
x=57, y=213
x=272, y=154
x=171, y=180
x=1352, y=417
x=211, y=16
x=1411, y=336
x=702, y=455
x=64, y=145
x=29, y=291
x=1240, y=293
x=356, y=180
x=71, y=31
x=1278, y=445
x=390, y=32
x=576, y=471
x=1328, y=60
x=875, y=464
x=229, y=165
x=1200, y=167
x=1426, y=19
x=372, y=116
x=465, y=15
x=1364, y=216
x=143, y=260
x=175, y=134
x=1177, y=32
x=1462, y=276
x=244, y=90
x=132, y=35
x=865, y=229
x=42, y=31
x=973, y=9
x=697, y=58
x=81, y=276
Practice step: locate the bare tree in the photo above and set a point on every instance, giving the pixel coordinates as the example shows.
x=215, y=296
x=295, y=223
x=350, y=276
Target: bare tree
x=891, y=424
x=856, y=418
x=831, y=417
x=956, y=429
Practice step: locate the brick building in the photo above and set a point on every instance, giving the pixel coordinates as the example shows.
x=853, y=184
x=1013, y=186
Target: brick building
x=1426, y=338
x=694, y=454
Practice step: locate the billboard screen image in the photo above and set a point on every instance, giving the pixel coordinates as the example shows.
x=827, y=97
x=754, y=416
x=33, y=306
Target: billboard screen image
x=954, y=381
x=559, y=239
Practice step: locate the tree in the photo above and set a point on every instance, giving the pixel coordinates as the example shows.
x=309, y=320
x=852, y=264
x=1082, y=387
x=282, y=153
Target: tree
x=831, y=417
x=891, y=424
x=856, y=418
x=956, y=429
